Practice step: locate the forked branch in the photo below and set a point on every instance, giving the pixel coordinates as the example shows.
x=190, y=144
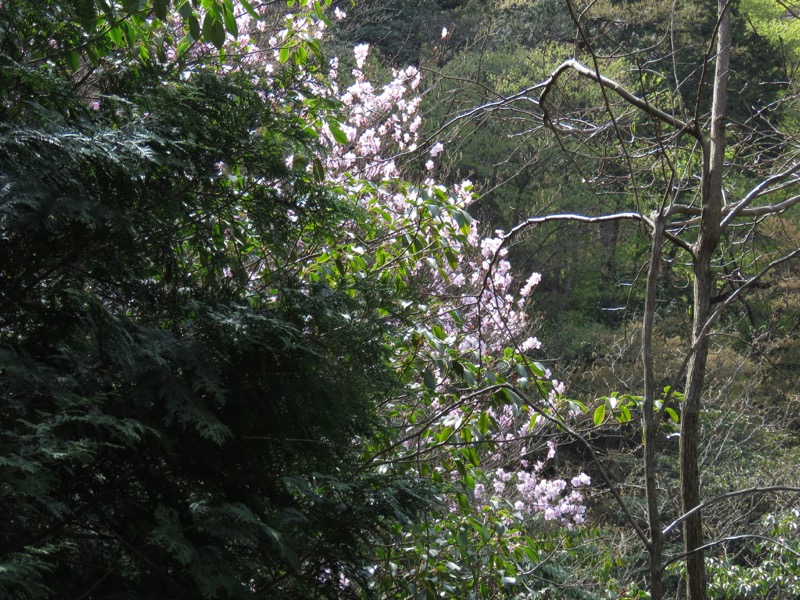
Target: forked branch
x=655, y=112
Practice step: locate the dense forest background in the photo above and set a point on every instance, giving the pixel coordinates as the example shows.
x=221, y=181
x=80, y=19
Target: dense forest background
x=414, y=322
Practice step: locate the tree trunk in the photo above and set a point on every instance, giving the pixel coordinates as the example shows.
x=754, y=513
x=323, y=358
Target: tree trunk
x=703, y=250
x=650, y=418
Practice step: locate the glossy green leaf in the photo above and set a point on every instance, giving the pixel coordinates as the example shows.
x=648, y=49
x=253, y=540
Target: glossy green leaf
x=283, y=54
x=537, y=368
x=132, y=6
x=115, y=33
x=469, y=377
x=483, y=423
x=213, y=30
x=672, y=414
x=74, y=60
x=185, y=10
x=318, y=170
x=599, y=414
x=250, y=10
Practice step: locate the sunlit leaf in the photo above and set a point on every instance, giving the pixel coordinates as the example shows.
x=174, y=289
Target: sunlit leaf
x=599, y=414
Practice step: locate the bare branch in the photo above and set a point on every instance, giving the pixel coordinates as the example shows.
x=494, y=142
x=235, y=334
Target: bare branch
x=719, y=498
x=622, y=216
x=753, y=211
x=761, y=189
x=575, y=218
x=620, y=90
x=732, y=538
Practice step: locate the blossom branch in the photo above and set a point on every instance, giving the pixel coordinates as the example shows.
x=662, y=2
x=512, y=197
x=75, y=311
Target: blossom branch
x=600, y=468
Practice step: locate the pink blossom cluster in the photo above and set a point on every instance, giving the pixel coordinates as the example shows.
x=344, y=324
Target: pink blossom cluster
x=485, y=290
x=381, y=121
x=523, y=486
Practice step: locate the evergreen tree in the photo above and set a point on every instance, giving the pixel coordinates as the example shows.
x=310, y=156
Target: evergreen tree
x=181, y=407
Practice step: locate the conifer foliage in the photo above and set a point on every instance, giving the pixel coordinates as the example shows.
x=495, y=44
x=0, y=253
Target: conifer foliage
x=178, y=406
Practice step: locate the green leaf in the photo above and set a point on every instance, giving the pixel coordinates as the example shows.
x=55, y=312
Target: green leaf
x=93, y=56
x=672, y=414
x=533, y=421
x=213, y=30
x=337, y=133
x=469, y=378
x=230, y=19
x=452, y=259
x=430, y=379
x=537, y=368
x=463, y=219
x=160, y=9
x=115, y=33
x=443, y=436
x=576, y=405
x=184, y=45
x=250, y=10
x=132, y=6
x=318, y=170
x=515, y=398
x=462, y=540
x=194, y=27
x=185, y=10
x=599, y=414
x=217, y=33
x=483, y=423
x=74, y=60
x=471, y=455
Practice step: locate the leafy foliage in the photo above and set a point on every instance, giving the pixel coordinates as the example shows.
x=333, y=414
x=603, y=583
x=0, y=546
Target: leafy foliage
x=182, y=408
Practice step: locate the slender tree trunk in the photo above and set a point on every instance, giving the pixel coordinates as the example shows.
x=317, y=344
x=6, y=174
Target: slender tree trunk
x=649, y=416
x=703, y=250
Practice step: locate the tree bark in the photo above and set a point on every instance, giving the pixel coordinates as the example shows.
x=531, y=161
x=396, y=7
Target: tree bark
x=649, y=416
x=703, y=251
